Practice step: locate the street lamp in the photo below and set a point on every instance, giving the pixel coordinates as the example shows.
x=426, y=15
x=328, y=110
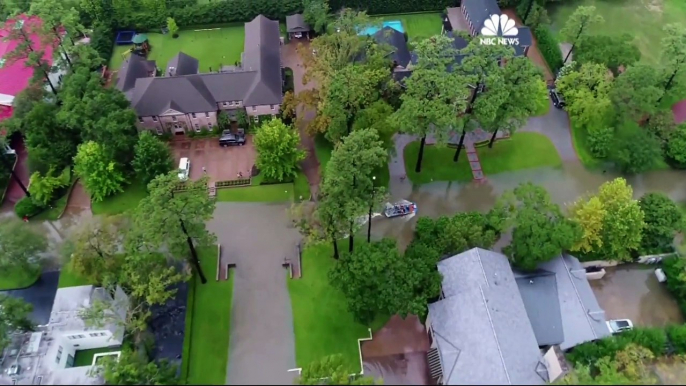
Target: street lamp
x=371, y=204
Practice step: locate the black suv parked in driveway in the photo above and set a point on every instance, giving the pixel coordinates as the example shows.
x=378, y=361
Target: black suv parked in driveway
x=558, y=101
x=229, y=139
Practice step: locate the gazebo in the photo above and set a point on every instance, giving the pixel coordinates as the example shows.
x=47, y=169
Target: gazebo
x=296, y=27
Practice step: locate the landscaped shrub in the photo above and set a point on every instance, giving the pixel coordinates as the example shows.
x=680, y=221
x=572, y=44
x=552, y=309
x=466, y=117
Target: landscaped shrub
x=549, y=47
x=26, y=207
x=677, y=336
x=674, y=268
x=102, y=40
x=654, y=339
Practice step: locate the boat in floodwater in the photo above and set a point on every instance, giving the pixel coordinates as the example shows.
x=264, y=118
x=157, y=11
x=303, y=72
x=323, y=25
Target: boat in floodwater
x=400, y=208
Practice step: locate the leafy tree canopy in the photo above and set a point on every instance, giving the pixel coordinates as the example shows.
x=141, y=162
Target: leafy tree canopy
x=14, y=317
x=133, y=368
x=676, y=147
x=611, y=50
x=634, y=150
x=316, y=14
x=636, y=92
x=98, y=171
x=278, y=151
x=663, y=220
x=152, y=157
x=21, y=247
x=330, y=370
x=586, y=91
x=456, y=234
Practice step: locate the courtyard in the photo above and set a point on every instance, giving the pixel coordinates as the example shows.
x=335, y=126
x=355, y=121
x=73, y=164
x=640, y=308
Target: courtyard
x=221, y=163
x=631, y=291
x=213, y=47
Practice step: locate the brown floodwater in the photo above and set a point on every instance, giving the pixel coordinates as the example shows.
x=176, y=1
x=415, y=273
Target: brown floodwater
x=565, y=184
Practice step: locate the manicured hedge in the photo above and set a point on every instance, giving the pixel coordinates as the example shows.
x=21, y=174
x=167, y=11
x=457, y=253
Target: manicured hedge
x=549, y=47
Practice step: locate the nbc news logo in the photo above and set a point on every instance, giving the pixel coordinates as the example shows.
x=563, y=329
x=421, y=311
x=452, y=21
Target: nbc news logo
x=499, y=30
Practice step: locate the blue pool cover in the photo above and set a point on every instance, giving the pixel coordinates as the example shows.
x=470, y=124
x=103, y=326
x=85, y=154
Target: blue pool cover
x=395, y=24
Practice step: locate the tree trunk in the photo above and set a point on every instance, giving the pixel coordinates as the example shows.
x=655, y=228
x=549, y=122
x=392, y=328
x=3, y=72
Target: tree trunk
x=569, y=53
x=668, y=85
x=194, y=254
x=459, y=146
x=64, y=50
x=351, y=242
x=14, y=175
x=490, y=144
x=335, y=248
x=418, y=168
x=47, y=79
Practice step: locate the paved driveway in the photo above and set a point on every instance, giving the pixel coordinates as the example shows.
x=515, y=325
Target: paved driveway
x=222, y=163
x=256, y=237
x=555, y=125
x=40, y=295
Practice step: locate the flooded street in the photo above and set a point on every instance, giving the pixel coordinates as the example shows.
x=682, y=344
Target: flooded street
x=565, y=184
x=631, y=291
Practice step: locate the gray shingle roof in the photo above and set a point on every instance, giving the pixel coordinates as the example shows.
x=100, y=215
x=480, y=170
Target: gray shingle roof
x=481, y=327
x=525, y=40
x=539, y=293
x=480, y=10
x=257, y=82
x=296, y=23
x=134, y=67
x=582, y=318
x=182, y=64
x=400, y=53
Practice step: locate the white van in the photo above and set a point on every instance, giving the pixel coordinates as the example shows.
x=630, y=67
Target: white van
x=184, y=168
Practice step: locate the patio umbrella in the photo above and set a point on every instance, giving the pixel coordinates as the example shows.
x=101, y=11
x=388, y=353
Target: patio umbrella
x=139, y=39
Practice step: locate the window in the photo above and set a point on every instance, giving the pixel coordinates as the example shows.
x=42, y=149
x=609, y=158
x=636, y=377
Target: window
x=59, y=355
x=271, y=107
x=197, y=127
x=256, y=118
x=254, y=108
x=159, y=131
x=154, y=119
x=140, y=119
x=207, y=115
x=226, y=103
x=192, y=115
x=209, y=125
x=173, y=118
x=70, y=361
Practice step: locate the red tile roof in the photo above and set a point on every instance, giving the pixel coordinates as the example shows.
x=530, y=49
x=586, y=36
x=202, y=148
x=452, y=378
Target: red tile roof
x=679, y=110
x=15, y=77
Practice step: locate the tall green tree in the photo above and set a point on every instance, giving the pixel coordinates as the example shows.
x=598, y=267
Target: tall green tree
x=663, y=220
x=434, y=96
x=59, y=23
x=278, y=151
x=611, y=50
x=152, y=157
x=456, y=234
x=623, y=222
x=590, y=215
x=375, y=116
x=376, y=279
x=172, y=26
x=99, y=173
x=675, y=147
x=630, y=366
x=330, y=370
x=175, y=220
x=14, y=318
x=673, y=57
x=46, y=139
x=133, y=368
x=634, y=150
x=348, y=179
x=540, y=230
x=21, y=248
x=44, y=187
x=586, y=90
x=636, y=91
x=316, y=14
x=577, y=24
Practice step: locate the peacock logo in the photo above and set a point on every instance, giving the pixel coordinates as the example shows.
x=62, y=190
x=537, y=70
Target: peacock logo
x=498, y=29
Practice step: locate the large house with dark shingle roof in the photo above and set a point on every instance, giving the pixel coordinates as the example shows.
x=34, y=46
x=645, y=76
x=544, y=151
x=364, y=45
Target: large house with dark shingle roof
x=493, y=325
x=183, y=99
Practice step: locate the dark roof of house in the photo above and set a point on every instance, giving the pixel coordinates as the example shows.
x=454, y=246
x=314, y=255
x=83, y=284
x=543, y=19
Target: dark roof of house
x=400, y=53
x=481, y=327
x=525, y=40
x=296, y=23
x=257, y=82
x=133, y=68
x=539, y=293
x=582, y=318
x=182, y=64
x=480, y=10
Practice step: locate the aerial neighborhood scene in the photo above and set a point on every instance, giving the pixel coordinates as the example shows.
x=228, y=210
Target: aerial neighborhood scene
x=342, y=192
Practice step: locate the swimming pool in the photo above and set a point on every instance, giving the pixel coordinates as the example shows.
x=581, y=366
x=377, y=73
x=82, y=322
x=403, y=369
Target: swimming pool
x=395, y=24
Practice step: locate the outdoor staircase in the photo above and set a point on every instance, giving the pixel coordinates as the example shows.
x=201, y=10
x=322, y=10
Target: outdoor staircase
x=212, y=190
x=474, y=162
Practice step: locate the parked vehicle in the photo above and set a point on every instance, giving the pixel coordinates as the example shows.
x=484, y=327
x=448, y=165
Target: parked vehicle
x=660, y=274
x=230, y=139
x=619, y=325
x=184, y=168
x=558, y=100
x=14, y=370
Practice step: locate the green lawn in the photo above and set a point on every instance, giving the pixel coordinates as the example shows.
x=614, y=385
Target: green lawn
x=85, y=357
x=258, y=193
x=122, y=202
x=641, y=19
x=301, y=187
x=323, y=326
x=207, y=342
x=522, y=151
x=15, y=278
x=419, y=25
x=69, y=278
x=212, y=48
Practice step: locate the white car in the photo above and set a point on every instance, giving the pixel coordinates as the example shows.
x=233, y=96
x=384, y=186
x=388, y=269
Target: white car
x=298, y=35
x=184, y=168
x=619, y=325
